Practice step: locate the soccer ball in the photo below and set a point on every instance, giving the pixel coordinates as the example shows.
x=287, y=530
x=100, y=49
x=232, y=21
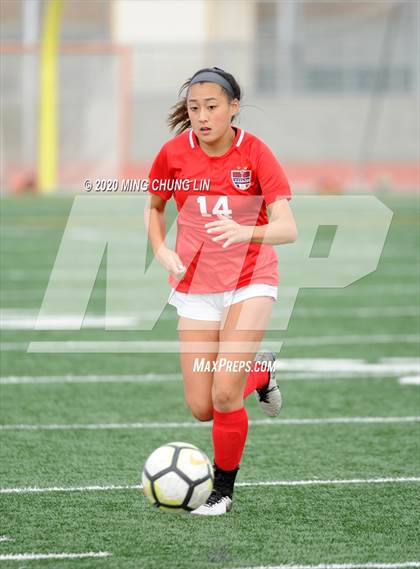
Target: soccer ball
x=177, y=477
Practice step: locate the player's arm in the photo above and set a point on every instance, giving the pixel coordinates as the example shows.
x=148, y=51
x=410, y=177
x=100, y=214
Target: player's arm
x=155, y=222
x=282, y=227
x=280, y=230
x=156, y=228
x=276, y=190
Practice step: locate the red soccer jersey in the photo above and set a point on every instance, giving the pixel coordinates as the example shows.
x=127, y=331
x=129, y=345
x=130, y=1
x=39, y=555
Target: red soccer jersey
x=240, y=183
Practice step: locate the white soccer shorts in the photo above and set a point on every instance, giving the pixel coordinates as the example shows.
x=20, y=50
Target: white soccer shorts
x=210, y=306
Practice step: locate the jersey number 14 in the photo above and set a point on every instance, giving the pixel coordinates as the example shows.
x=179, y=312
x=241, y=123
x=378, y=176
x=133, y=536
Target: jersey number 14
x=220, y=207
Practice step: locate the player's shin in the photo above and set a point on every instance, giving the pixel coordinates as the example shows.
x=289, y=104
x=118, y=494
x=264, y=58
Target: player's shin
x=230, y=430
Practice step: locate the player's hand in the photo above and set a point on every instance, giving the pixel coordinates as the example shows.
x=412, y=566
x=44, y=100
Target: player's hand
x=230, y=231
x=172, y=262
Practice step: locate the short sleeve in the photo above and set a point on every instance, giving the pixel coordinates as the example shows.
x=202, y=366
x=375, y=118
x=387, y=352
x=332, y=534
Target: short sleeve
x=159, y=173
x=271, y=177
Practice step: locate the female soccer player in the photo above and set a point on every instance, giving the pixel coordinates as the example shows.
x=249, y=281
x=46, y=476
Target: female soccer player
x=224, y=270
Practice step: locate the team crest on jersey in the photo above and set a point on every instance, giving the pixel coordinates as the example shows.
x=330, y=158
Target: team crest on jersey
x=241, y=179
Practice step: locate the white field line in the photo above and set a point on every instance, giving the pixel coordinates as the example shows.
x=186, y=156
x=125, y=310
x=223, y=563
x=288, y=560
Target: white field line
x=397, y=360
x=198, y=424
x=146, y=347
x=367, y=289
x=342, y=367
x=163, y=378
x=24, y=275
x=36, y=295
x=13, y=346
x=290, y=370
x=59, y=379
x=313, y=482
x=352, y=339
x=322, y=365
x=359, y=311
x=4, y=538
x=34, y=556
x=367, y=565
x=405, y=269
x=410, y=380
x=23, y=319
x=63, y=322
x=172, y=347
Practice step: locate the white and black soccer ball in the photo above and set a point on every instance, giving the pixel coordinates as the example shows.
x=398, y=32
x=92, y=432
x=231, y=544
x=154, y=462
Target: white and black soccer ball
x=177, y=477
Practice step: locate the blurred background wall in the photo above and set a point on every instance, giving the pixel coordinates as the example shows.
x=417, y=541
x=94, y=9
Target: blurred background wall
x=332, y=87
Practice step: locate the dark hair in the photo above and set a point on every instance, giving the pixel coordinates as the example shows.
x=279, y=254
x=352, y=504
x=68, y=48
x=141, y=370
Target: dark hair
x=178, y=118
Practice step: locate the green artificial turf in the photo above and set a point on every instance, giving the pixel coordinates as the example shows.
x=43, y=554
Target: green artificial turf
x=269, y=525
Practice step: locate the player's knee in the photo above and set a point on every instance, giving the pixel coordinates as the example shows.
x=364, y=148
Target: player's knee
x=201, y=412
x=224, y=399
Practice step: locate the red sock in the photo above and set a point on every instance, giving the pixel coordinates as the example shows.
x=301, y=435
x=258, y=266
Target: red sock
x=255, y=380
x=229, y=435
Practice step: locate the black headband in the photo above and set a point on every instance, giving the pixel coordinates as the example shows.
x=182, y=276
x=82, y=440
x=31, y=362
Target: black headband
x=213, y=77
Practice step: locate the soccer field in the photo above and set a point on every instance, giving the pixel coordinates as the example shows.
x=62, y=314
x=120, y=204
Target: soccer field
x=333, y=482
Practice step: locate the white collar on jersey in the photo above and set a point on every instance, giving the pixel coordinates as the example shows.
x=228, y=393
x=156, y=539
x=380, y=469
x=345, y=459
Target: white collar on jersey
x=238, y=143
